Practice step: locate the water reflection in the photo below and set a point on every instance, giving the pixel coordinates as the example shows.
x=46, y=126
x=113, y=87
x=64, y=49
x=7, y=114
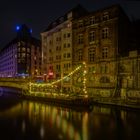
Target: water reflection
x=32, y=120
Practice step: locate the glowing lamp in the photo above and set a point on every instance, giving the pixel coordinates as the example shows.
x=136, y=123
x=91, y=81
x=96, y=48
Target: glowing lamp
x=17, y=28
x=31, y=30
x=50, y=73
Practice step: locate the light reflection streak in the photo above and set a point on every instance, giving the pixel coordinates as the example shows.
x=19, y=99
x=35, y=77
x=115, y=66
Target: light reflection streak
x=57, y=117
x=84, y=127
x=23, y=126
x=69, y=124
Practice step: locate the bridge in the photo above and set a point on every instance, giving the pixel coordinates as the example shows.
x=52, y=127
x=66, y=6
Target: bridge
x=28, y=86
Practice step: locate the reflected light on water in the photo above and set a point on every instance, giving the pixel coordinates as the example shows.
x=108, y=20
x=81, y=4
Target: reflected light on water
x=42, y=121
x=42, y=131
x=23, y=126
x=70, y=131
x=77, y=136
x=85, y=126
x=64, y=126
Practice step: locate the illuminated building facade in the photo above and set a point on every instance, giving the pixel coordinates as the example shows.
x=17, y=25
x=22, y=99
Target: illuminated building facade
x=100, y=38
x=22, y=56
x=57, y=47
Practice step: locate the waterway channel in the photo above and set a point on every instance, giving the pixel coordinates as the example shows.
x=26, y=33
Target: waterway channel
x=29, y=120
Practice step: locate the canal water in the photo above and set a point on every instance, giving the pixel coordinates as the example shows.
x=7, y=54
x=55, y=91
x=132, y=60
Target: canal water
x=29, y=120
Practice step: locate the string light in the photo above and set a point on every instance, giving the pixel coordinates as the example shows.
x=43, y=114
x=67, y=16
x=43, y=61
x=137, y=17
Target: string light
x=84, y=79
x=52, y=83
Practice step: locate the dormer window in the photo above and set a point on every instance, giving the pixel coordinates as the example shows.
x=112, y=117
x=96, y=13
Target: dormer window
x=105, y=16
x=92, y=20
x=80, y=23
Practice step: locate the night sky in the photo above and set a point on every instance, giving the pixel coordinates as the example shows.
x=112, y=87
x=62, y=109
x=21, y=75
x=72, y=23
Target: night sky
x=37, y=14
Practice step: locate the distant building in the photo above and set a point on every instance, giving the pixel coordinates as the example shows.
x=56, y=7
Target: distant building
x=21, y=56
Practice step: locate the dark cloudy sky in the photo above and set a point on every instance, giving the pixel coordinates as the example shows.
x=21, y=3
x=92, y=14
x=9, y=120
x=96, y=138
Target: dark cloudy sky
x=37, y=14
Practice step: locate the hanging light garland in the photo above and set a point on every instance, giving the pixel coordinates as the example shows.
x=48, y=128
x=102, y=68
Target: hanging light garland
x=52, y=83
x=85, y=79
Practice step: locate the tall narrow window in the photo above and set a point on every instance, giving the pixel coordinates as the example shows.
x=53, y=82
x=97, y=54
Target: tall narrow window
x=80, y=38
x=105, y=52
x=91, y=36
x=80, y=23
x=105, y=33
x=80, y=55
x=91, y=55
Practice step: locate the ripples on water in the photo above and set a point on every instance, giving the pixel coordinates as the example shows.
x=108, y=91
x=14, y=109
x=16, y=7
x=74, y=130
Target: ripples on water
x=37, y=121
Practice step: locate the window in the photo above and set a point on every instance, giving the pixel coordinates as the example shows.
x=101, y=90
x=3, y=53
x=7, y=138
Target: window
x=80, y=55
x=19, y=49
x=91, y=55
x=92, y=20
x=80, y=23
x=65, y=45
x=91, y=36
x=105, y=16
x=23, y=49
x=23, y=55
x=80, y=38
x=105, y=33
x=104, y=79
x=28, y=50
x=64, y=36
x=68, y=35
x=50, y=58
x=104, y=69
x=68, y=55
x=67, y=66
x=64, y=55
x=68, y=45
x=104, y=52
x=57, y=48
x=92, y=69
x=57, y=68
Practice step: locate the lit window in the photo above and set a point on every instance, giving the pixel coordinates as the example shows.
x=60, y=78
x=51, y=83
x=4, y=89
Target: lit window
x=23, y=55
x=28, y=50
x=23, y=49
